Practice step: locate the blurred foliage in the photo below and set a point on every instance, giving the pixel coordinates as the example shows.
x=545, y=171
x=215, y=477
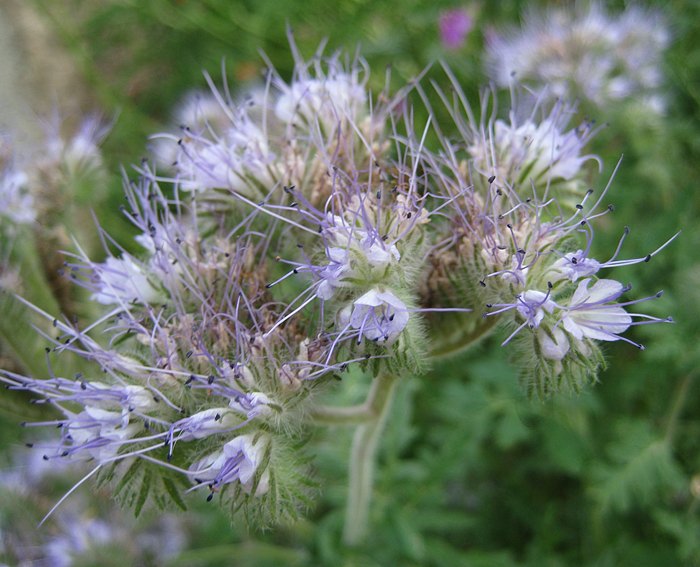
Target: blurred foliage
x=471, y=473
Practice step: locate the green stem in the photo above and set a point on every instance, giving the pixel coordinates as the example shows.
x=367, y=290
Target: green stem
x=677, y=407
x=363, y=458
x=352, y=415
x=459, y=342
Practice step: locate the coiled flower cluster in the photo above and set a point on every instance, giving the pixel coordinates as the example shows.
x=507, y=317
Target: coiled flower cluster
x=304, y=230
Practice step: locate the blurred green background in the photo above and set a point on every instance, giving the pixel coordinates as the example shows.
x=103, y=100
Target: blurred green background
x=471, y=472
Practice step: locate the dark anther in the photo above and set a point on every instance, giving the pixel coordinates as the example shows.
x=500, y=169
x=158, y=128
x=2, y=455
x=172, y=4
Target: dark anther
x=210, y=497
x=190, y=380
x=189, y=354
x=492, y=179
x=647, y=257
x=611, y=208
x=549, y=285
x=30, y=445
x=482, y=283
x=210, y=380
x=217, y=417
x=579, y=207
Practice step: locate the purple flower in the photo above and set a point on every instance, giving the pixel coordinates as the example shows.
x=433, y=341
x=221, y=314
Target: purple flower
x=238, y=460
x=593, y=313
x=377, y=315
x=454, y=27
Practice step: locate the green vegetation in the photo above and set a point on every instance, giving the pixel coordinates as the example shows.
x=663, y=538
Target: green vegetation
x=471, y=472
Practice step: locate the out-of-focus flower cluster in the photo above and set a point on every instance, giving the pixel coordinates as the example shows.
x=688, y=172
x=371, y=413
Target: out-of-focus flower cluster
x=585, y=52
x=84, y=531
x=307, y=228
x=43, y=191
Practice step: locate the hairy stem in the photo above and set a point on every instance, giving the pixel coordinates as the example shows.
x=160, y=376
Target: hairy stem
x=344, y=415
x=363, y=458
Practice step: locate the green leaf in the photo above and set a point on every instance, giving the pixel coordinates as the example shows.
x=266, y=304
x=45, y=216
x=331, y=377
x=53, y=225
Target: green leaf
x=641, y=468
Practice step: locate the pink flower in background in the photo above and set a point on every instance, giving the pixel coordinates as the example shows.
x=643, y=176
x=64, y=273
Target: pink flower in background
x=454, y=26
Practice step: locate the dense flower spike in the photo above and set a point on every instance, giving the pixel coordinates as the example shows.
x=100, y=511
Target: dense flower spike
x=305, y=229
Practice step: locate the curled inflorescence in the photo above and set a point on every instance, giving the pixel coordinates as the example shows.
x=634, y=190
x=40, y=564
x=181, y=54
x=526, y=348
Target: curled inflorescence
x=307, y=229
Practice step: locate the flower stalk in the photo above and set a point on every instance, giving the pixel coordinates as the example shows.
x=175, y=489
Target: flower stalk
x=363, y=458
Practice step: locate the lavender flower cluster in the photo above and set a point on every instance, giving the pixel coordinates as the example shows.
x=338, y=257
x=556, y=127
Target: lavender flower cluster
x=585, y=52
x=307, y=228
